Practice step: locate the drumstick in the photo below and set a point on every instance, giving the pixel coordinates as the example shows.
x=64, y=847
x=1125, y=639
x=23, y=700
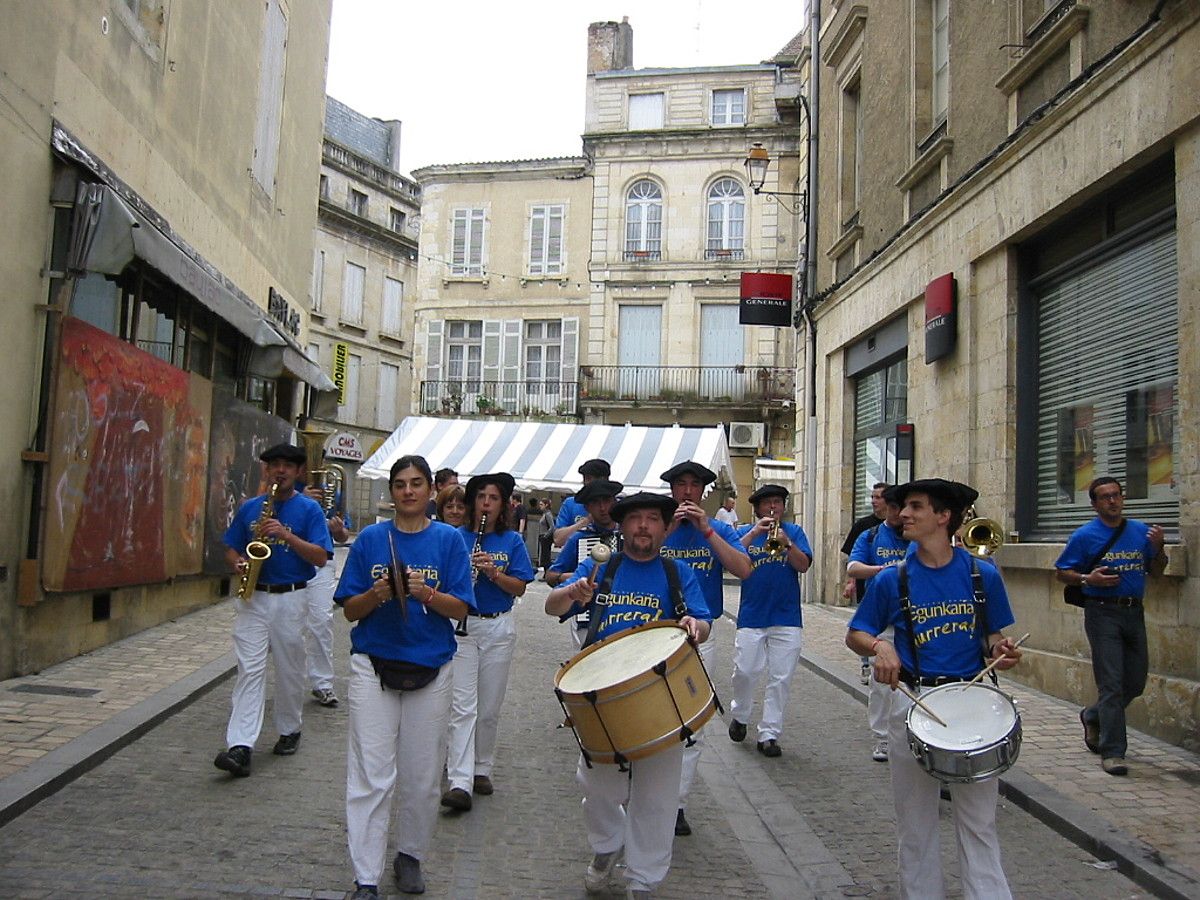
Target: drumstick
x=600, y=554
x=993, y=663
x=917, y=700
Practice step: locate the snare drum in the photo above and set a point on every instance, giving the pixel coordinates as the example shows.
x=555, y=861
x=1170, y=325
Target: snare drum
x=636, y=693
x=981, y=738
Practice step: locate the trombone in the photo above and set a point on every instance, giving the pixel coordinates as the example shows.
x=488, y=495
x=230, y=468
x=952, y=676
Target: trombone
x=981, y=537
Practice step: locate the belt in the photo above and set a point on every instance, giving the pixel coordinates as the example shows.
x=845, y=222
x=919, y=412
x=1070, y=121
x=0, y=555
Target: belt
x=489, y=615
x=280, y=588
x=1126, y=602
x=929, y=681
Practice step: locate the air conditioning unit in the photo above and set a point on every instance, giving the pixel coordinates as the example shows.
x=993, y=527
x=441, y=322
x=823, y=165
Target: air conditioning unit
x=747, y=435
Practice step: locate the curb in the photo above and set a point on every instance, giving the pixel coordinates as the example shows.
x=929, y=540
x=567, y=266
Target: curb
x=1135, y=859
x=47, y=775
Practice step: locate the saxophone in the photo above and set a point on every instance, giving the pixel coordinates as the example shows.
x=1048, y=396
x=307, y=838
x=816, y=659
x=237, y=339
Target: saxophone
x=258, y=551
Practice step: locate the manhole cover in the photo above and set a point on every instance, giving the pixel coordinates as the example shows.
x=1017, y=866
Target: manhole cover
x=56, y=689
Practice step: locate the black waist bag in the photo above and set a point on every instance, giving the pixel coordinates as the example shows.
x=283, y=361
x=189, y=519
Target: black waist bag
x=397, y=675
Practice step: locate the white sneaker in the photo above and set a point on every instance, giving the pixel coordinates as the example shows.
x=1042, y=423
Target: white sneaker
x=879, y=752
x=864, y=674
x=599, y=871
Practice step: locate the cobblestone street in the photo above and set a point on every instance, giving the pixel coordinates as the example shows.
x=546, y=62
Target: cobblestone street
x=157, y=820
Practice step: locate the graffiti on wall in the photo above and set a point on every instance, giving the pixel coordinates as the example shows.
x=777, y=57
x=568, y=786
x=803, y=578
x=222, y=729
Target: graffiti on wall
x=128, y=466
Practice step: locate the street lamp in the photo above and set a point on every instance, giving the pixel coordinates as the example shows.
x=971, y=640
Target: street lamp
x=758, y=160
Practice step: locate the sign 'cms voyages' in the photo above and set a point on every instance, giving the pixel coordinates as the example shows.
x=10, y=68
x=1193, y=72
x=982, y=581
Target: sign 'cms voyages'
x=766, y=299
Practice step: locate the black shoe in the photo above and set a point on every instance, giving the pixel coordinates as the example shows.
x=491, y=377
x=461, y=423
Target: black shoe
x=235, y=761
x=287, y=744
x=457, y=799
x=737, y=731
x=408, y=874
x=769, y=748
x=682, y=828
x=364, y=892
x=1091, y=732
x=483, y=786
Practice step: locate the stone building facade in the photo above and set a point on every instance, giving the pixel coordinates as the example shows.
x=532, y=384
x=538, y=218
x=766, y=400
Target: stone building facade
x=1006, y=293
x=364, y=277
x=157, y=221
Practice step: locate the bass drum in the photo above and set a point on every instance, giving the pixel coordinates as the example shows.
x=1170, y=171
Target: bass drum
x=636, y=693
x=981, y=737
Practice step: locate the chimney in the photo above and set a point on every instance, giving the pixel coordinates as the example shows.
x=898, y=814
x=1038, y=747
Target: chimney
x=393, y=128
x=610, y=46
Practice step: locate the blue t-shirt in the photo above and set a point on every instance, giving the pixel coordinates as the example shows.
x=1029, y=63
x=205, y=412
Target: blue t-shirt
x=640, y=594
x=507, y=550
x=771, y=595
x=688, y=545
x=885, y=548
x=1128, y=557
x=437, y=556
x=578, y=546
x=301, y=516
x=943, y=612
x=569, y=513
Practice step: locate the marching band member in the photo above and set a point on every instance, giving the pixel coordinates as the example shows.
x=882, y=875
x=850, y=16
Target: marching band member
x=880, y=546
x=572, y=516
x=942, y=635
x=484, y=655
x=709, y=547
x=272, y=618
x=769, y=627
x=597, y=498
x=633, y=810
x=404, y=584
x=451, y=505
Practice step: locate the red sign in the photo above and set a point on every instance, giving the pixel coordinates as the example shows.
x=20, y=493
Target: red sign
x=766, y=299
x=941, y=319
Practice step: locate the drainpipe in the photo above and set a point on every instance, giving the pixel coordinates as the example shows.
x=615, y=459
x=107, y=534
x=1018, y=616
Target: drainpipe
x=810, y=287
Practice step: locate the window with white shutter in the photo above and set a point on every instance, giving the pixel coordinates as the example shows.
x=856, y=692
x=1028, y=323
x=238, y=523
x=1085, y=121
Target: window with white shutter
x=353, y=284
x=393, y=302
x=385, y=409
x=546, y=240
x=272, y=62
x=466, y=256
x=645, y=111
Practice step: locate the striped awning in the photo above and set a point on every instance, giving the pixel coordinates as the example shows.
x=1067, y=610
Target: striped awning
x=545, y=456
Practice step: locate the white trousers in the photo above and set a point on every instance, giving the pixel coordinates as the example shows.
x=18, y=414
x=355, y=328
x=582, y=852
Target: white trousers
x=275, y=623
x=634, y=810
x=691, y=755
x=879, y=699
x=577, y=635
x=481, y=666
x=916, y=795
x=318, y=627
x=397, y=739
x=774, y=650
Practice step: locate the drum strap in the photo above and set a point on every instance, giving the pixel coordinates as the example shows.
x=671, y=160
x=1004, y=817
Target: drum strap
x=980, y=607
x=600, y=601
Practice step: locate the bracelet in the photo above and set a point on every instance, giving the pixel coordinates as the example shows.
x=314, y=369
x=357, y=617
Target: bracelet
x=1082, y=580
x=874, y=644
x=708, y=534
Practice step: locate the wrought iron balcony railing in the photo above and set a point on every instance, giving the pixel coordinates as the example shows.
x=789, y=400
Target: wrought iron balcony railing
x=643, y=255
x=730, y=385
x=476, y=397
x=724, y=253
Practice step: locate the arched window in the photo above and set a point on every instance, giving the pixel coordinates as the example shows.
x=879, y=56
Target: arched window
x=726, y=218
x=643, y=221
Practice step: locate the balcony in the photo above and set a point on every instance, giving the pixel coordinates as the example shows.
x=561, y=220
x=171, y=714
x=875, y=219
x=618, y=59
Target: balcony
x=522, y=399
x=643, y=256
x=725, y=253
x=673, y=385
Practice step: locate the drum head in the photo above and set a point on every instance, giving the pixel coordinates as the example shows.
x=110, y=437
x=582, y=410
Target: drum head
x=617, y=658
x=976, y=715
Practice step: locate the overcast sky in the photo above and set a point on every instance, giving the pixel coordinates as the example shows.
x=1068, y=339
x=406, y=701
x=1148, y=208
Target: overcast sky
x=476, y=80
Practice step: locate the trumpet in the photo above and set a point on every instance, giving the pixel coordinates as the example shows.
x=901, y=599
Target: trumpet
x=258, y=551
x=982, y=537
x=775, y=546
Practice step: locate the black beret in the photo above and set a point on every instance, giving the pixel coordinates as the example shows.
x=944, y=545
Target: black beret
x=502, y=480
x=595, y=468
x=954, y=494
x=769, y=490
x=594, y=490
x=644, y=500
x=703, y=473
x=287, y=452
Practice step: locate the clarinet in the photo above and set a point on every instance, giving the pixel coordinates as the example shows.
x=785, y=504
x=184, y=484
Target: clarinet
x=461, y=630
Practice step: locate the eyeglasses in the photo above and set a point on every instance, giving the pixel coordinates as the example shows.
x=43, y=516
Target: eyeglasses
x=1108, y=498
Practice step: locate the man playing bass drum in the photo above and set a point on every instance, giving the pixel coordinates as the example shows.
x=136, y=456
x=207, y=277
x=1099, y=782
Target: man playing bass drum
x=634, y=809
